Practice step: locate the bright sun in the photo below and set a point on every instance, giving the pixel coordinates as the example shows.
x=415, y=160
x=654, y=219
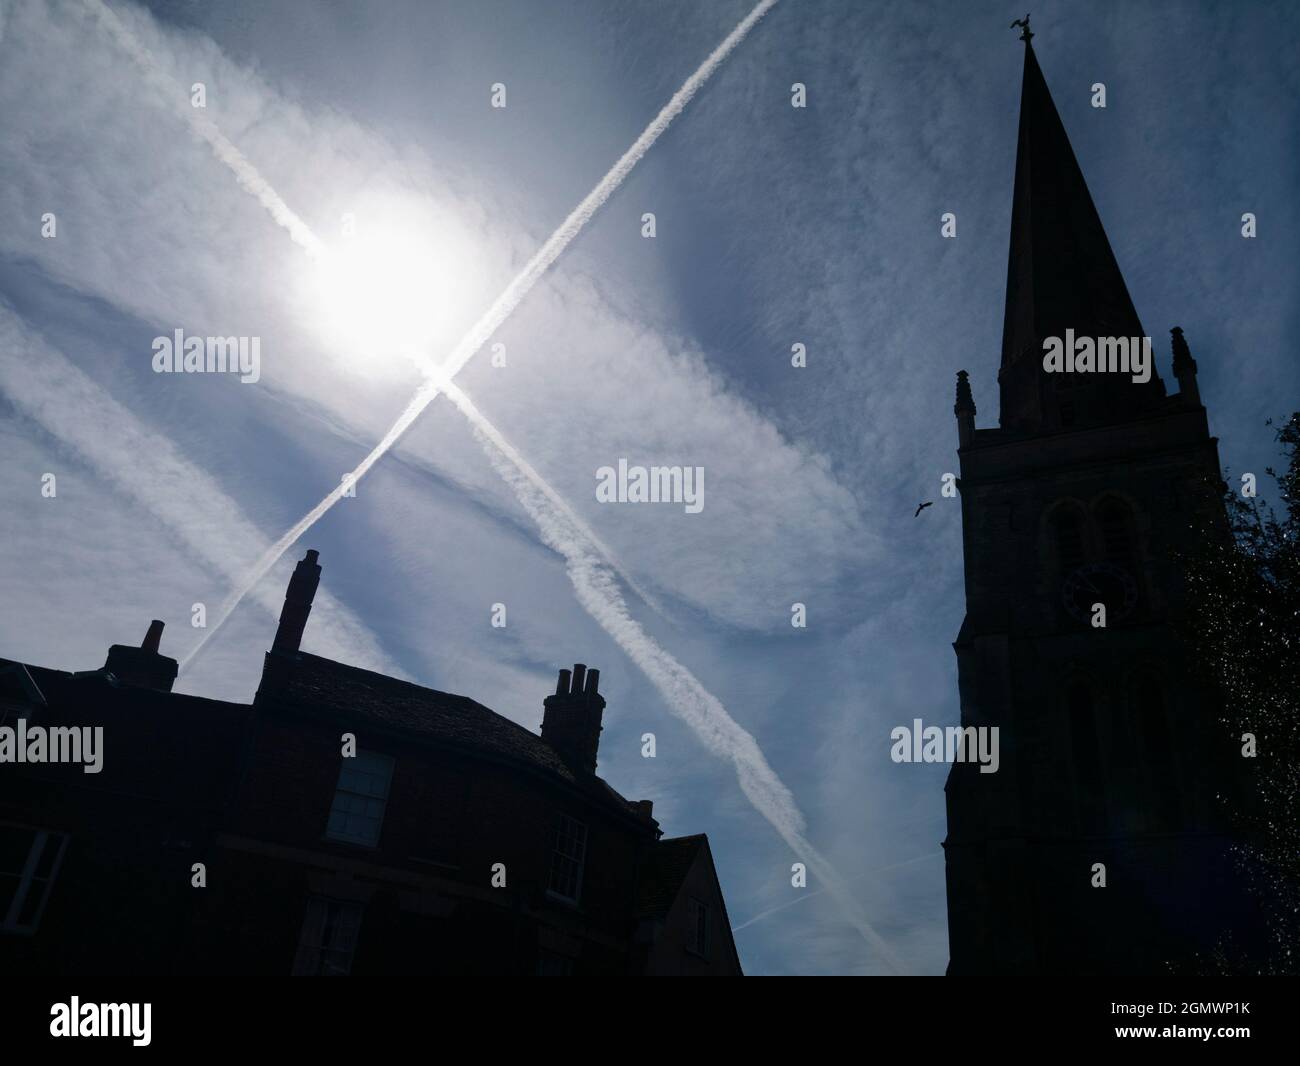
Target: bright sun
x=382, y=293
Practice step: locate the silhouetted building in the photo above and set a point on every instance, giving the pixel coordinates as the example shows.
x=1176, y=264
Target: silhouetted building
x=1111, y=752
x=345, y=822
x=683, y=916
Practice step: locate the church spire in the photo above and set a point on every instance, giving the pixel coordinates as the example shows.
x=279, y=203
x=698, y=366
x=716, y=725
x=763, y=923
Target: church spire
x=1061, y=274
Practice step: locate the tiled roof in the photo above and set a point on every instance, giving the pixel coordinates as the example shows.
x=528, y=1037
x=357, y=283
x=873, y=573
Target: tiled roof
x=16, y=684
x=170, y=745
x=311, y=682
x=666, y=867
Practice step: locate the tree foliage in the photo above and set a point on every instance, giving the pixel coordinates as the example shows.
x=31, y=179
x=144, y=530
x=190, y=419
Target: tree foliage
x=1243, y=625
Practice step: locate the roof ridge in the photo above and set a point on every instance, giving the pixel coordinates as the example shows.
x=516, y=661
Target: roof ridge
x=417, y=708
x=387, y=679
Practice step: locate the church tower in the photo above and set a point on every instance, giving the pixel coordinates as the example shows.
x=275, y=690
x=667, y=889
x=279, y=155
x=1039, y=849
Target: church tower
x=1072, y=510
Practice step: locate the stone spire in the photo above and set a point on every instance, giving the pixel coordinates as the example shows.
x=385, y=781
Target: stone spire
x=1061, y=274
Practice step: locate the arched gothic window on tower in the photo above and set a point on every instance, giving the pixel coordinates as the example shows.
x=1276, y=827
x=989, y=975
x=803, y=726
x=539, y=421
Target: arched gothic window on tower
x=1157, y=764
x=1116, y=522
x=1086, y=757
x=1067, y=528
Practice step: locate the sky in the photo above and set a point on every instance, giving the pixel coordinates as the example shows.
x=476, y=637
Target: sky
x=774, y=226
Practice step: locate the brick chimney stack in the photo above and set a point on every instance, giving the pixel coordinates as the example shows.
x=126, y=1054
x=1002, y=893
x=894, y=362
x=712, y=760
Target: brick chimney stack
x=571, y=721
x=143, y=666
x=297, y=603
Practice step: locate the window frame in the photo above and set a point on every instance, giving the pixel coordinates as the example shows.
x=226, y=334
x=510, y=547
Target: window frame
x=341, y=835
x=27, y=878
x=1076, y=517
x=1157, y=750
x=558, y=856
x=700, y=928
x=322, y=951
x=1087, y=765
x=1117, y=532
x=553, y=964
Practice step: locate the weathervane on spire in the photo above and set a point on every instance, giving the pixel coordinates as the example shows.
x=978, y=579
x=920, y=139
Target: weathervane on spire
x=1024, y=25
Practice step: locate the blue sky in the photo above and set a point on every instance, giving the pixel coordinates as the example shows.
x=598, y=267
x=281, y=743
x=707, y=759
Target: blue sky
x=775, y=225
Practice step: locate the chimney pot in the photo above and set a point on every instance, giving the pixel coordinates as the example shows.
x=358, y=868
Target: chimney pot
x=143, y=666
x=153, y=639
x=571, y=719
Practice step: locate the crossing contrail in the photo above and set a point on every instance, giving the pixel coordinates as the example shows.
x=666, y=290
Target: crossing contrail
x=492, y=319
x=589, y=564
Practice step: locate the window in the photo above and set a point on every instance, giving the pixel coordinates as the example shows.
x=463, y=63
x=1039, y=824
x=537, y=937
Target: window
x=1157, y=750
x=697, y=914
x=549, y=964
x=359, y=800
x=329, y=937
x=567, y=857
x=1087, y=757
x=1116, y=532
x=29, y=861
x=1068, y=528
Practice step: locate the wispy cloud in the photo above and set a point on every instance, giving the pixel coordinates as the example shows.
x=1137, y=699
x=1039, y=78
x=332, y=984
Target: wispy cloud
x=598, y=591
x=496, y=314
x=178, y=98
x=590, y=564
x=147, y=467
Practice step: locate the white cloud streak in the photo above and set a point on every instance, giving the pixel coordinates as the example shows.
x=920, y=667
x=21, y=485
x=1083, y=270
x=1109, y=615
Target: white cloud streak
x=591, y=571
x=501, y=309
x=147, y=467
x=179, y=97
x=818, y=891
x=597, y=589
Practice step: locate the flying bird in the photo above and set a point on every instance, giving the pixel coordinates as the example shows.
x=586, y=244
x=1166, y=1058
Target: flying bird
x=922, y=507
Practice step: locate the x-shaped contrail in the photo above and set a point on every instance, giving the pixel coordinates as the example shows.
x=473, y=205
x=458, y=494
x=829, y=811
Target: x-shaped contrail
x=598, y=595
x=482, y=330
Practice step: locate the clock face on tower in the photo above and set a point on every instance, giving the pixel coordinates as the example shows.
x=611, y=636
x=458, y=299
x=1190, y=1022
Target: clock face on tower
x=1100, y=583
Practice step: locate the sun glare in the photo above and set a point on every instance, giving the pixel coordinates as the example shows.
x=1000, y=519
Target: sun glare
x=382, y=294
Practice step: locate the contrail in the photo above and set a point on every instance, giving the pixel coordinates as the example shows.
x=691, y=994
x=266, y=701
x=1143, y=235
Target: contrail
x=479, y=421
x=593, y=577
x=149, y=468
x=496, y=314
x=818, y=891
x=247, y=174
x=598, y=592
